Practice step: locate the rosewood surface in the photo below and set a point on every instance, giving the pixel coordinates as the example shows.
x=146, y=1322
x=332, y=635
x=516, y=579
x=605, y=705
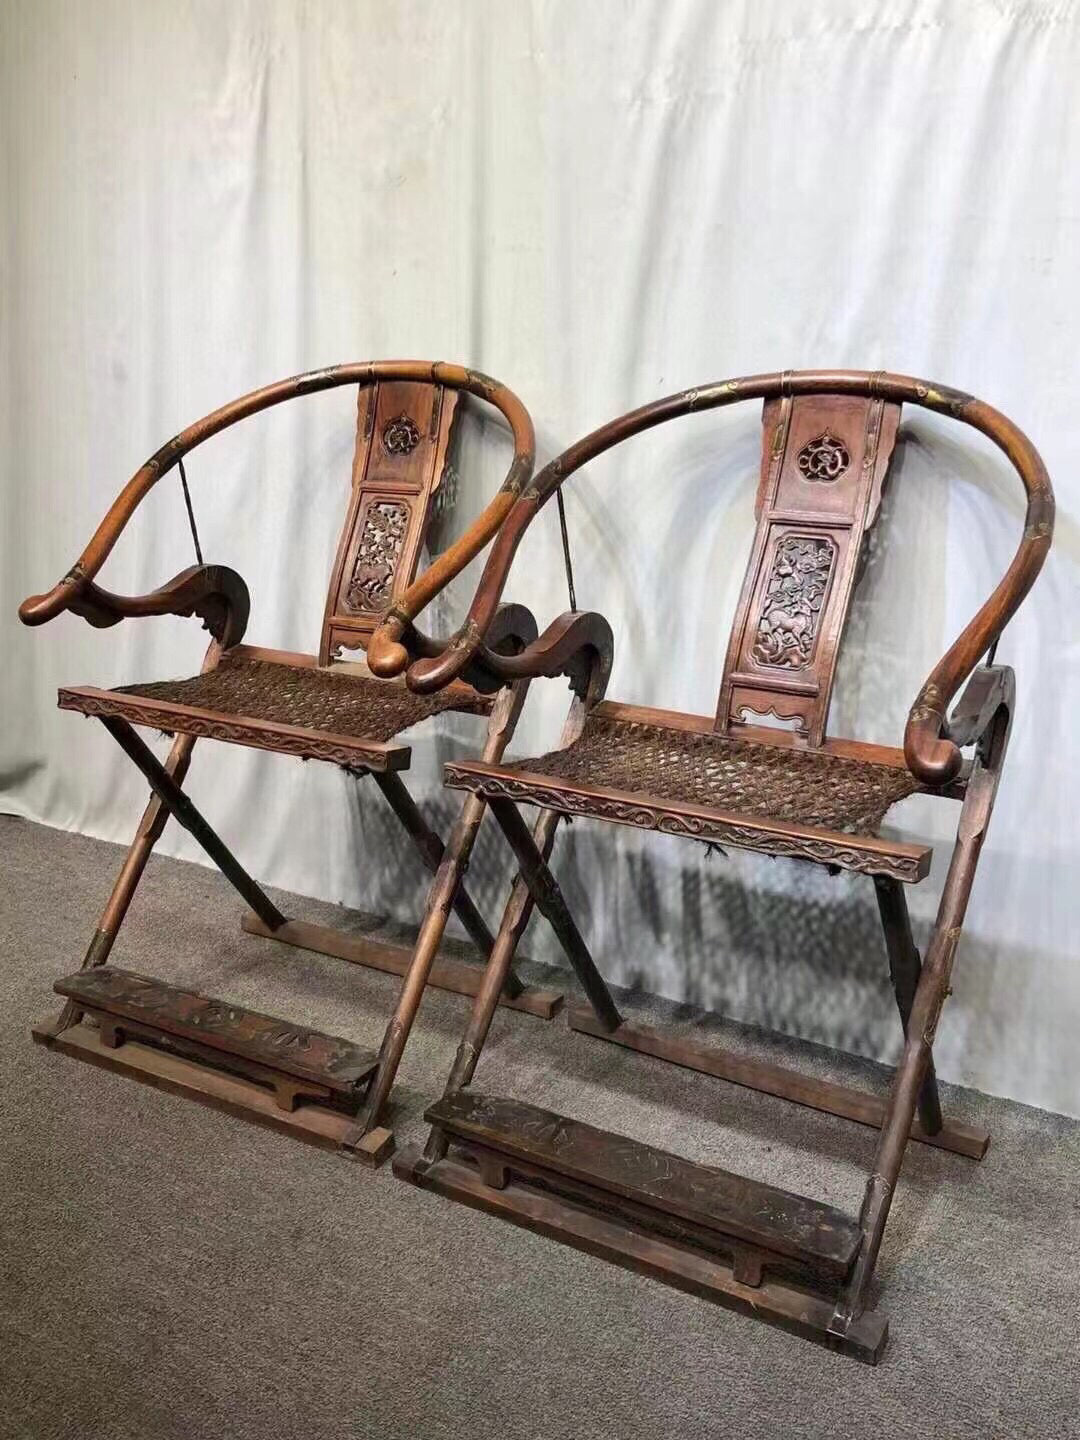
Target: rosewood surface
x=827, y=440
x=309, y=706
x=707, y=1197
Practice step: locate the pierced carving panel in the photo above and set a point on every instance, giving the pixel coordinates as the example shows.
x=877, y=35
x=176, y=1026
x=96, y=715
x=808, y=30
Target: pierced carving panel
x=794, y=594
x=825, y=458
x=371, y=586
x=400, y=436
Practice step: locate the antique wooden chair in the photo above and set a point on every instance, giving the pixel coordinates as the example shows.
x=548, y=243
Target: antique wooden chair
x=729, y=779
x=319, y=1088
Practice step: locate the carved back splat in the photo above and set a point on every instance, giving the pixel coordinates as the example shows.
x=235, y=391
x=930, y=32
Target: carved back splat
x=403, y=432
x=824, y=461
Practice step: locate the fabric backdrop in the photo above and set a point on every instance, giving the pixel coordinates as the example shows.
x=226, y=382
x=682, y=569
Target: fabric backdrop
x=599, y=204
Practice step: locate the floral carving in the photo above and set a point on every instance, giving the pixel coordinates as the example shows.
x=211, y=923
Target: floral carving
x=381, y=542
x=794, y=595
x=825, y=458
x=400, y=436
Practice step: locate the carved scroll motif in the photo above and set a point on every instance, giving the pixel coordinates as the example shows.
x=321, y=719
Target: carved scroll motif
x=853, y=856
x=791, y=610
x=386, y=524
x=400, y=436
x=825, y=458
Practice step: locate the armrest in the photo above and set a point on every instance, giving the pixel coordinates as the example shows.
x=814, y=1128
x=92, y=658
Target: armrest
x=77, y=592
x=579, y=644
x=931, y=743
x=440, y=664
x=397, y=642
x=512, y=630
x=215, y=593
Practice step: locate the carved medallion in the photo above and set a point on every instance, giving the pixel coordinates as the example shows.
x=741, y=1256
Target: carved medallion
x=400, y=436
x=382, y=539
x=825, y=458
x=794, y=595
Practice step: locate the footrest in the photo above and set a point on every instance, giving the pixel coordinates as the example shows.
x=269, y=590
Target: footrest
x=652, y=1188
x=294, y=1061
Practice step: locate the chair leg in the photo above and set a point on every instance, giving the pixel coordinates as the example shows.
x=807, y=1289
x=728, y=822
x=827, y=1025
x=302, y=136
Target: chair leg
x=930, y=995
x=551, y=904
x=515, y=918
x=432, y=850
x=436, y=913
x=185, y=813
x=905, y=967
x=131, y=872
x=444, y=887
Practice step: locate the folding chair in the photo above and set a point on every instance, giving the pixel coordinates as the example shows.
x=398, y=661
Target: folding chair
x=734, y=780
x=319, y=1088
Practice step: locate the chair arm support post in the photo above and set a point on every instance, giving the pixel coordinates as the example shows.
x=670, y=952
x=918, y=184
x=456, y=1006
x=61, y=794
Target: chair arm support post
x=933, y=989
x=990, y=688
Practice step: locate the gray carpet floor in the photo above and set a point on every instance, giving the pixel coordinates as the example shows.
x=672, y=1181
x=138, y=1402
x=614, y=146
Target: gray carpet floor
x=170, y=1273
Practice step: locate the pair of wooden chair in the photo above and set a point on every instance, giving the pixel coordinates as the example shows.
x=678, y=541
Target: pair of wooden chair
x=760, y=774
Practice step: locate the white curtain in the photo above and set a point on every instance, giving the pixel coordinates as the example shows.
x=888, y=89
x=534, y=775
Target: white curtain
x=599, y=204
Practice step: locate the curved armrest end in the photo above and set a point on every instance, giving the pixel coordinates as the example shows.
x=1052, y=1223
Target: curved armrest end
x=386, y=655
x=932, y=744
x=216, y=594
x=38, y=609
x=933, y=761
x=579, y=644
x=434, y=672
x=513, y=629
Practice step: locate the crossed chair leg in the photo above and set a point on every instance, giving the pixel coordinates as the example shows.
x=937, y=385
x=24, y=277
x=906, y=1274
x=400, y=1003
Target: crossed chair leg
x=805, y=1266
x=255, y=1065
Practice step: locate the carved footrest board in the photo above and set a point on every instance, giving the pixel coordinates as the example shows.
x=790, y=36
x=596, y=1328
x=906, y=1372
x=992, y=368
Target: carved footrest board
x=757, y=1224
x=176, y=1075
x=611, y=1237
x=295, y=1063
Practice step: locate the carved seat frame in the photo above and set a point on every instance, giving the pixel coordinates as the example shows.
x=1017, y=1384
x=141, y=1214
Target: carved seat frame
x=827, y=440
x=406, y=412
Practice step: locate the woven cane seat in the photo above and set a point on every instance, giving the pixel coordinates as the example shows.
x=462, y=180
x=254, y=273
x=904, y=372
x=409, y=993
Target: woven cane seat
x=780, y=783
x=342, y=704
x=339, y=715
x=774, y=797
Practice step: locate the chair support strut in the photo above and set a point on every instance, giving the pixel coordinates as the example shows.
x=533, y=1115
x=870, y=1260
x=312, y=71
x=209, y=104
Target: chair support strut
x=549, y=901
x=184, y=812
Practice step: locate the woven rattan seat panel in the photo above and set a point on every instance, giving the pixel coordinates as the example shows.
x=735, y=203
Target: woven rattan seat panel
x=342, y=704
x=772, y=781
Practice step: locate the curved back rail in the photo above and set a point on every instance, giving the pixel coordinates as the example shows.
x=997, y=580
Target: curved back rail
x=931, y=753
x=218, y=594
